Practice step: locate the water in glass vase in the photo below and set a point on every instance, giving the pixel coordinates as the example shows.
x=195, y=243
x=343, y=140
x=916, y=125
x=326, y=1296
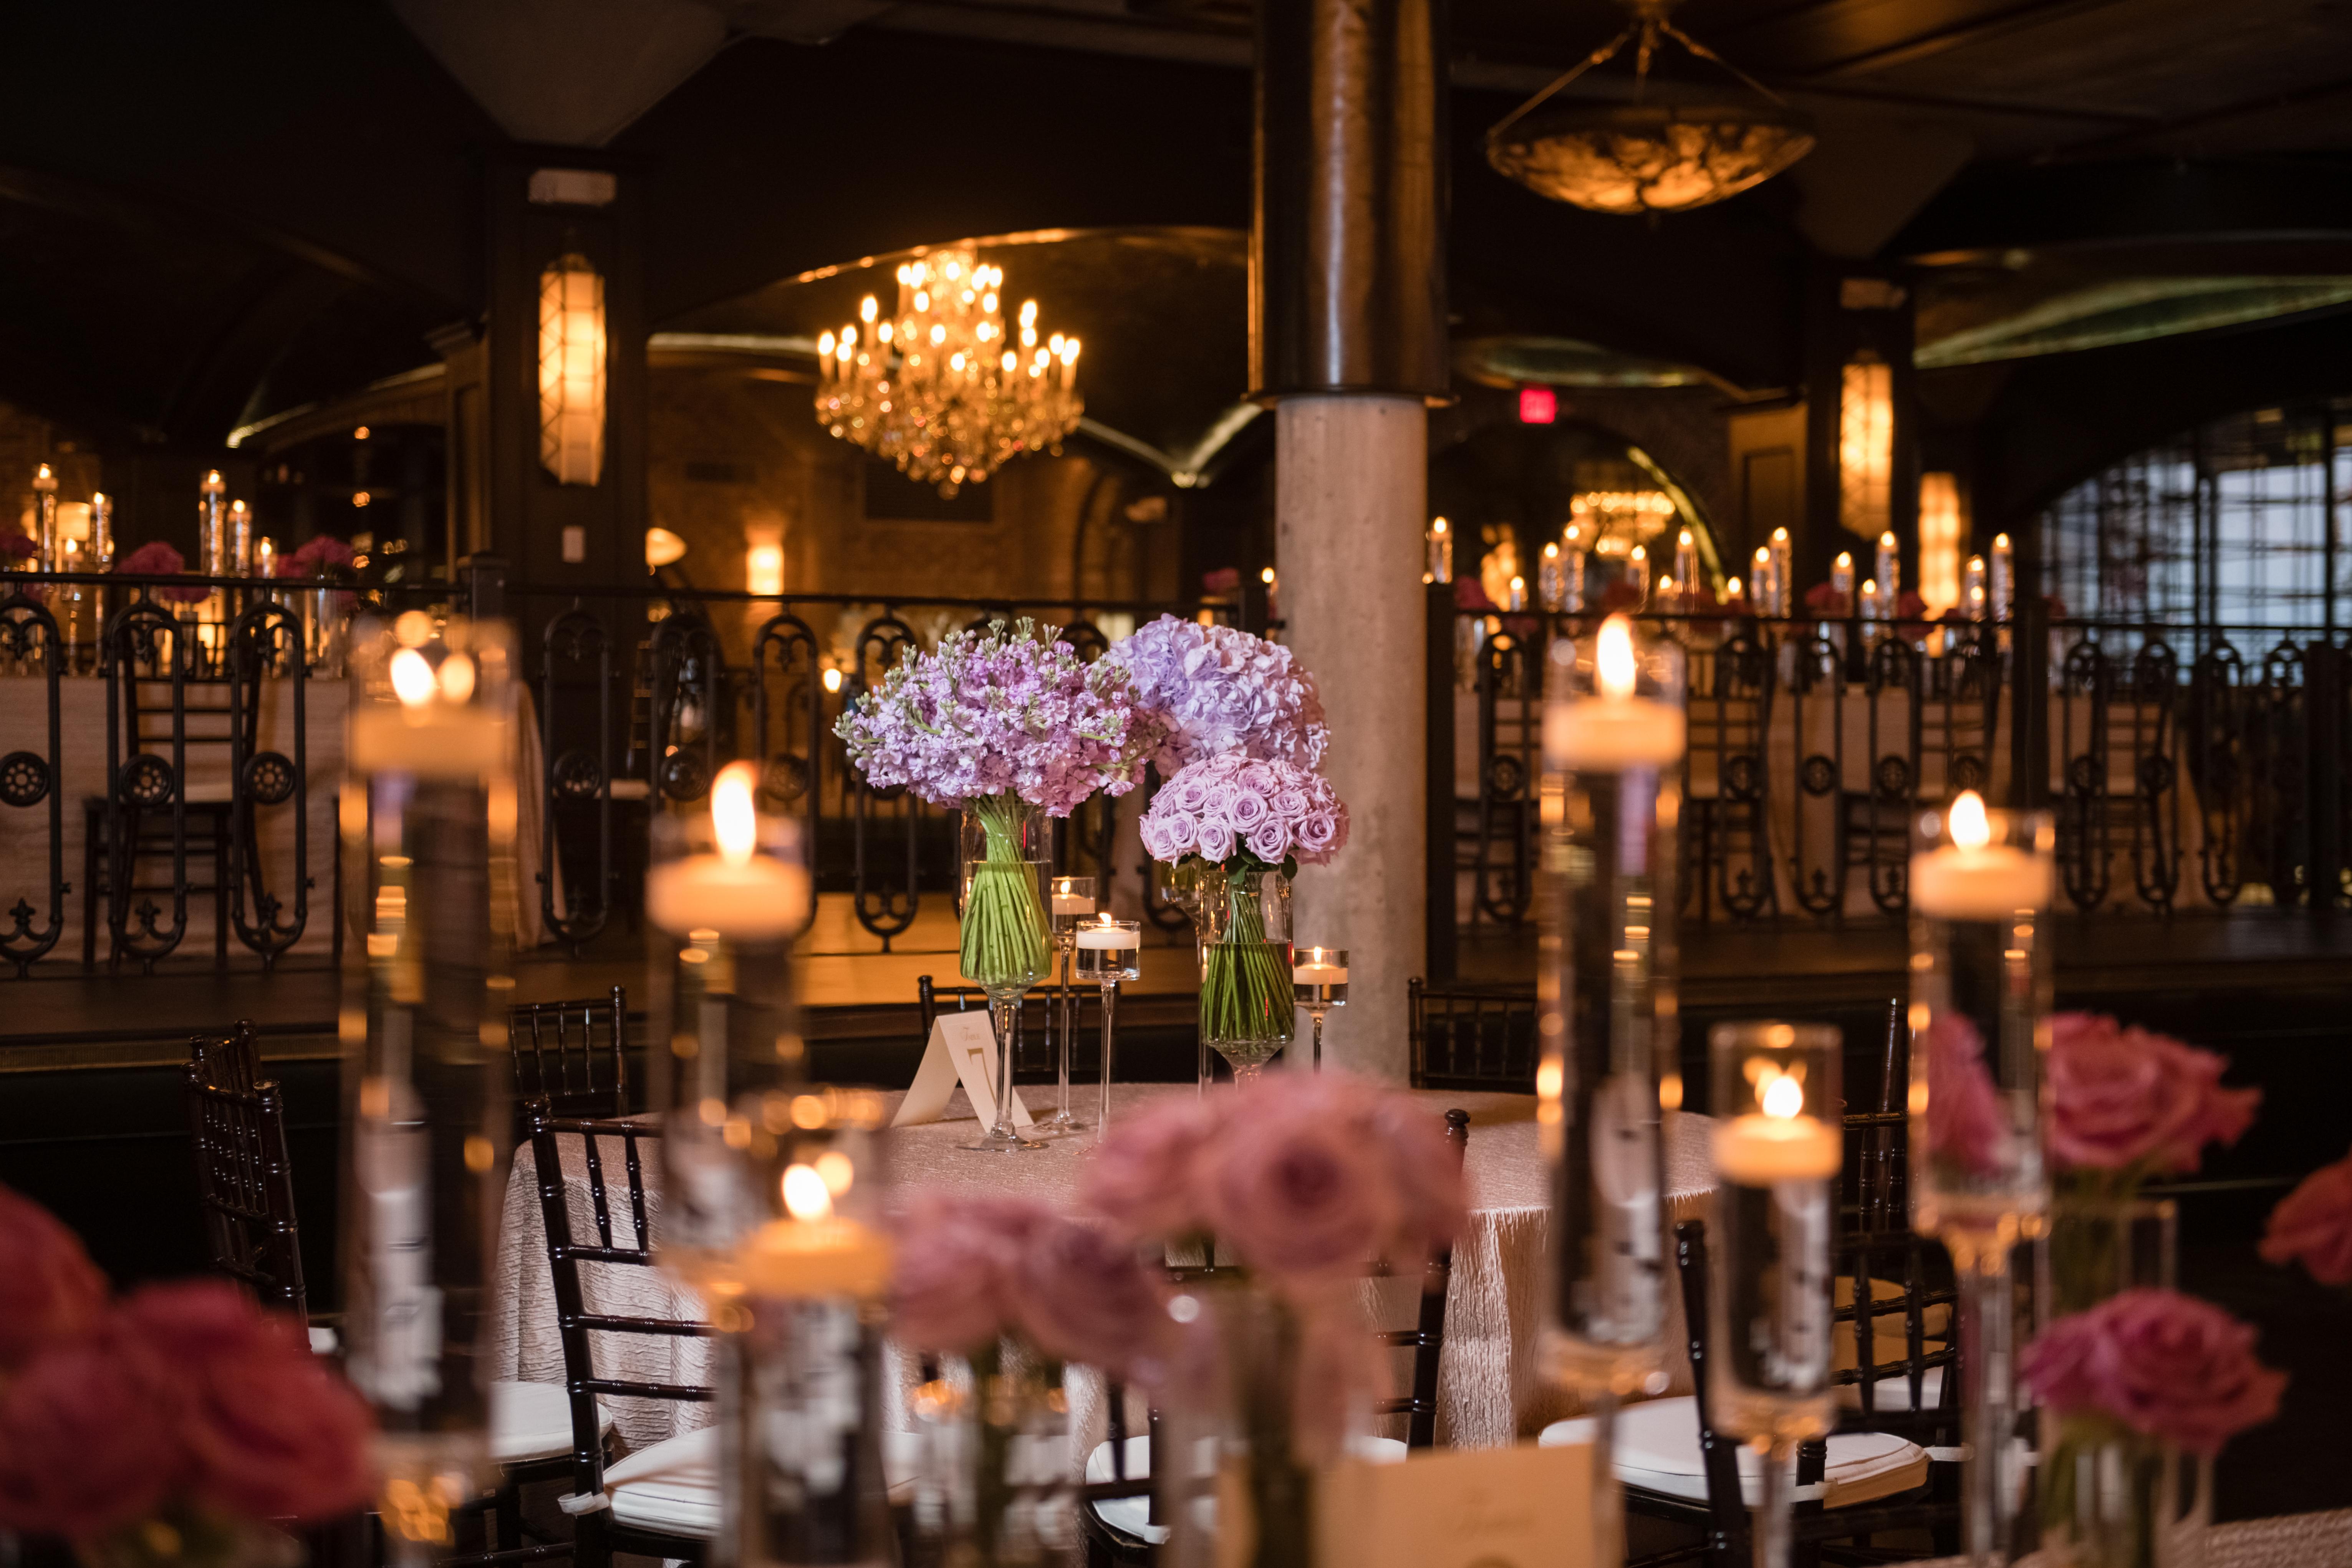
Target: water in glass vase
x=1248, y=1010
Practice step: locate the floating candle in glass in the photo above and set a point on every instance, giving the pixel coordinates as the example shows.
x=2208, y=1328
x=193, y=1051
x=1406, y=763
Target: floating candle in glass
x=1071, y=901
x=1319, y=982
x=1783, y=557
x=2002, y=585
x=1887, y=573
x=1110, y=952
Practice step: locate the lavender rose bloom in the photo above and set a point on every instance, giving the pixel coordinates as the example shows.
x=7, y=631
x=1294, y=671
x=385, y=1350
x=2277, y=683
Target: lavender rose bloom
x=1290, y=803
x=1145, y=1181
x=1298, y=1189
x=2163, y=1364
x=1318, y=833
x=1082, y=1296
x=949, y=1291
x=1192, y=794
x=1215, y=841
x=1270, y=841
x=1245, y=810
x=2314, y=1224
x=2122, y=1098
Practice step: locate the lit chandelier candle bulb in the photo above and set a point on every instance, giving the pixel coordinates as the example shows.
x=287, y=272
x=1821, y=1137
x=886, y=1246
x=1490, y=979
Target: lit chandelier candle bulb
x=732, y=890
x=1615, y=729
x=1973, y=879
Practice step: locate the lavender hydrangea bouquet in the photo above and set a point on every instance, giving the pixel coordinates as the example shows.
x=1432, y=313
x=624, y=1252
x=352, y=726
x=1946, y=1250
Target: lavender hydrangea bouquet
x=1241, y=826
x=1011, y=726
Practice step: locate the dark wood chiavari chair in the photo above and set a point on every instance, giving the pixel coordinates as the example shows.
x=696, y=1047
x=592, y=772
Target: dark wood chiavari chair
x=1108, y=1542
x=245, y=1186
x=661, y=1501
x=572, y=1056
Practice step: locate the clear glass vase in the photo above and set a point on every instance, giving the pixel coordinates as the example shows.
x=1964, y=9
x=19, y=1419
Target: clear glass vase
x=991, y=1484
x=1007, y=945
x=1248, y=1010
x=2111, y=1498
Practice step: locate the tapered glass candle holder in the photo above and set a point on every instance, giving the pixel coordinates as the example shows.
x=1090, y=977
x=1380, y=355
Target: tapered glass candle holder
x=1109, y=953
x=428, y=815
x=802, y=1359
x=1779, y=1142
x=1006, y=939
x=727, y=892
x=1611, y=800
x=1070, y=900
x=1319, y=983
x=1980, y=886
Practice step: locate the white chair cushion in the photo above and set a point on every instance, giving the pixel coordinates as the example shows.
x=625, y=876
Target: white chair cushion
x=1130, y=1516
x=673, y=1487
x=1657, y=1451
x=533, y=1421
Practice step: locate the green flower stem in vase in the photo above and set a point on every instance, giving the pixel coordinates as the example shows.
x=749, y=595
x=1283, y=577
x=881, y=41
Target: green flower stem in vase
x=1006, y=947
x=1247, y=1012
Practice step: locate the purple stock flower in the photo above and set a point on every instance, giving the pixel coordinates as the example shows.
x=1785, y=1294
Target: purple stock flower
x=1003, y=711
x=1224, y=805
x=1217, y=689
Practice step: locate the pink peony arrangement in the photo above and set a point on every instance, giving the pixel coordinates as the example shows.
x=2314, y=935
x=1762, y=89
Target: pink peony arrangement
x=2134, y=1101
x=185, y=1402
x=157, y=559
x=2313, y=1226
x=2160, y=1363
x=1230, y=807
x=16, y=546
x=1306, y=1177
x=315, y=557
x=974, y=1269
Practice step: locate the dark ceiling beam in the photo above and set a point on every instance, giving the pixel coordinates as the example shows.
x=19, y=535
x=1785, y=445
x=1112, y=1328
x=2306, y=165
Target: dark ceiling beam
x=2205, y=119
x=1982, y=29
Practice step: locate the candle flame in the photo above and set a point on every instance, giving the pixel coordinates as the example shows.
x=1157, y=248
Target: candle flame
x=1967, y=822
x=1612, y=658
x=412, y=678
x=734, y=821
x=1438, y=526
x=840, y=1175
x=806, y=1197
x=457, y=677
x=1845, y=559
x=1783, y=1097
x=1780, y=536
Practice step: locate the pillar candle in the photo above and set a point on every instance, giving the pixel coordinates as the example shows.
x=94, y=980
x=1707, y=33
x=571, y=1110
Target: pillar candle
x=1687, y=562
x=1887, y=573
x=1551, y=584
x=1637, y=570
x=1842, y=581
x=1783, y=565
x=102, y=530
x=210, y=533
x=2002, y=587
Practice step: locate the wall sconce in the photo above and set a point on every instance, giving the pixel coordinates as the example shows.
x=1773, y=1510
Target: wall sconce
x=1866, y=446
x=1941, y=529
x=763, y=568
x=662, y=548
x=572, y=371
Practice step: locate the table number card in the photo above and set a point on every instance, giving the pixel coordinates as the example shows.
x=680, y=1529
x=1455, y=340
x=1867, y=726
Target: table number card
x=962, y=1050
x=1525, y=1507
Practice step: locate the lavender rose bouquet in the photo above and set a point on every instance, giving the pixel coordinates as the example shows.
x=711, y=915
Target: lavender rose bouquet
x=1231, y=822
x=993, y=722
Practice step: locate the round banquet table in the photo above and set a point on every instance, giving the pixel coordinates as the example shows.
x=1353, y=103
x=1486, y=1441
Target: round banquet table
x=1488, y=1392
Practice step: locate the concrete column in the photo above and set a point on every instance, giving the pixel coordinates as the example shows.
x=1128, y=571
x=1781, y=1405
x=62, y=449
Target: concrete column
x=1351, y=484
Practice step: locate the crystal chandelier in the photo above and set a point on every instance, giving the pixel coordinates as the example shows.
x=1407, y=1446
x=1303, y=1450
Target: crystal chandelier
x=1644, y=156
x=940, y=388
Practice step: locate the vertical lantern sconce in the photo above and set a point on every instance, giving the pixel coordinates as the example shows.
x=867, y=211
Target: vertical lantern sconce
x=1940, y=541
x=572, y=370
x=1867, y=445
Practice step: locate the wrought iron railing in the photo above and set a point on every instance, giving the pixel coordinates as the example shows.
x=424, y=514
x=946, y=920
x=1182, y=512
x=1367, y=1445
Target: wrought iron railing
x=2197, y=768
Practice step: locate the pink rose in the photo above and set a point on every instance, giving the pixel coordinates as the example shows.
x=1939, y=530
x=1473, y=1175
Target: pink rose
x=1083, y=1296
x=1219, y=808
x=948, y=1288
x=2126, y=1097
x=274, y=1434
x=1296, y=1187
x=1192, y=794
x=49, y=1289
x=1215, y=841
x=1270, y=841
x=1145, y=1179
x=1245, y=810
x=89, y=1439
x=1319, y=833
x=1166, y=835
x=1256, y=778
x=197, y=1320
x=1426, y=1167
x=1965, y=1123
x=1290, y=804
x=2164, y=1364
x=2313, y=1224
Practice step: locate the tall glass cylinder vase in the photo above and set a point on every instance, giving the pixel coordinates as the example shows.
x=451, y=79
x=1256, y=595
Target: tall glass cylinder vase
x=2109, y=1496
x=1605, y=981
x=1007, y=946
x=727, y=892
x=428, y=818
x=1779, y=1143
x=991, y=1488
x=1980, y=886
x=1248, y=1011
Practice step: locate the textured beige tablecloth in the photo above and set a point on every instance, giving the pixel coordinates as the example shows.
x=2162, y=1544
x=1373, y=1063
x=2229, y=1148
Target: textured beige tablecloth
x=1488, y=1390
x=2286, y=1541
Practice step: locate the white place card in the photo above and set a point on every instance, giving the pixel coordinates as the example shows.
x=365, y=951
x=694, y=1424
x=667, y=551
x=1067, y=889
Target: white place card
x=1525, y=1507
x=962, y=1050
